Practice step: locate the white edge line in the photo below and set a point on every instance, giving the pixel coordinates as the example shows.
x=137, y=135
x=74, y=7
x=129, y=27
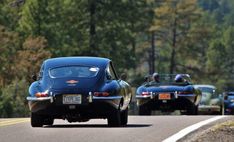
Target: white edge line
x=191, y=128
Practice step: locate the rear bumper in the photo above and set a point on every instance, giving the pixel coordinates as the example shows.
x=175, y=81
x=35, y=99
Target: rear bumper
x=90, y=99
x=40, y=99
x=153, y=97
x=93, y=106
x=209, y=108
x=176, y=101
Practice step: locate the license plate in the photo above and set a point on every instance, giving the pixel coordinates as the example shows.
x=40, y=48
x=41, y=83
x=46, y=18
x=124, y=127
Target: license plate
x=72, y=99
x=164, y=96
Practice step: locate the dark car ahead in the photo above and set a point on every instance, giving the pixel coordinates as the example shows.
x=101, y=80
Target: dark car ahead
x=78, y=89
x=229, y=103
x=167, y=95
x=211, y=102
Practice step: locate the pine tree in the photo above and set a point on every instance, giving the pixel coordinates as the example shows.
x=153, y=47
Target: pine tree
x=172, y=24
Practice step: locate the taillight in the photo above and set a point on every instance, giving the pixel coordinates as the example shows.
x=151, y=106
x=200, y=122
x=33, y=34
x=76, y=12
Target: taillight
x=39, y=94
x=145, y=93
x=101, y=94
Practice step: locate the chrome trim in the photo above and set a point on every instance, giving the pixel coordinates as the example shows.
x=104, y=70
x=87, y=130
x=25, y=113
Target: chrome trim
x=107, y=98
x=40, y=99
x=152, y=95
x=176, y=94
x=143, y=97
x=90, y=97
x=187, y=95
x=208, y=107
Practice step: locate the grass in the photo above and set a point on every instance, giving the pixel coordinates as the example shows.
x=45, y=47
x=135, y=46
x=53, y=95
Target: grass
x=229, y=123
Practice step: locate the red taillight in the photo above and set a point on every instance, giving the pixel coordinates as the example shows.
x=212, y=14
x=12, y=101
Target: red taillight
x=101, y=94
x=39, y=94
x=145, y=93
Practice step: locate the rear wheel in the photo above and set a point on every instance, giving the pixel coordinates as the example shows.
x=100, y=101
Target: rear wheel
x=114, y=119
x=192, y=110
x=124, y=117
x=144, y=110
x=36, y=120
x=48, y=121
x=221, y=112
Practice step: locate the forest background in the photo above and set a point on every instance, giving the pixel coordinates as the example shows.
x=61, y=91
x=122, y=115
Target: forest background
x=140, y=36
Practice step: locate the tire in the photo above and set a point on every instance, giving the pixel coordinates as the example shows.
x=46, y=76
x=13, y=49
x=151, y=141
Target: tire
x=144, y=110
x=221, y=112
x=114, y=119
x=192, y=110
x=48, y=121
x=36, y=120
x=124, y=117
x=182, y=112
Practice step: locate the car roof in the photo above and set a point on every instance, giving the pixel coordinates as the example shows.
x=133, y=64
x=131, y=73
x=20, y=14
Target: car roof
x=66, y=61
x=204, y=85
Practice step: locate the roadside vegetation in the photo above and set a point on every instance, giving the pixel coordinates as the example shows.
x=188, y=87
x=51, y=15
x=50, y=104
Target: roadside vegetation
x=223, y=131
x=141, y=37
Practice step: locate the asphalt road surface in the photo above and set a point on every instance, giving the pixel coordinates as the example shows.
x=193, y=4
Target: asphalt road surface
x=139, y=129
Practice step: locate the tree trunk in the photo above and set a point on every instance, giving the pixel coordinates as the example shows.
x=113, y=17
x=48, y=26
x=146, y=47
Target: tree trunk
x=92, y=27
x=133, y=42
x=173, y=53
x=172, y=67
x=39, y=19
x=152, y=54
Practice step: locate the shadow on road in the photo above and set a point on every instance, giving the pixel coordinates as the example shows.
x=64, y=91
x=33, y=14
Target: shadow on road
x=96, y=126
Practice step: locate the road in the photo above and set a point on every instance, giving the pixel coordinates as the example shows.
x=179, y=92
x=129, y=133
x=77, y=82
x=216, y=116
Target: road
x=139, y=129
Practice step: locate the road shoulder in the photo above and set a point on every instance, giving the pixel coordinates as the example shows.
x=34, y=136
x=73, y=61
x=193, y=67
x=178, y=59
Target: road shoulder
x=221, y=130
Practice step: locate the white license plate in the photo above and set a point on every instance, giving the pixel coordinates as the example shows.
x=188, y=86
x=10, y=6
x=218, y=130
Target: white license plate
x=72, y=99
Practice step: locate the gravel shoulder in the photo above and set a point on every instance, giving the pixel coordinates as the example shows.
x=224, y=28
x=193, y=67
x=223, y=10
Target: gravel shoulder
x=220, y=131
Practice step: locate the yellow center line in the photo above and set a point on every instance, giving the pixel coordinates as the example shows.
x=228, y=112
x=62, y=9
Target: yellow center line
x=13, y=121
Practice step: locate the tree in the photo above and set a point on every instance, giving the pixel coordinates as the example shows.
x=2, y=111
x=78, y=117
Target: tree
x=173, y=21
x=13, y=99
x=62, y=23
x=118, y=28
x=209, y=5
x=31, y=57
x=10, y=13
x=87, y=28
x=9, y=44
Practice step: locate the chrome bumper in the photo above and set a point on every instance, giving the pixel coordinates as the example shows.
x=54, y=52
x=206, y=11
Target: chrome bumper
x=108, y=98
x=152, y=95
x=208, y=108
x=90, y=98
x=40, y=99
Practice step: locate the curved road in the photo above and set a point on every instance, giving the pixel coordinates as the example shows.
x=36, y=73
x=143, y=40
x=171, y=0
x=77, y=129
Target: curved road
x=139, y=128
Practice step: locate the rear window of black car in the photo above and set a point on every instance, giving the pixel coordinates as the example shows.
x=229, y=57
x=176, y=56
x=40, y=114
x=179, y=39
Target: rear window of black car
x=73, y=71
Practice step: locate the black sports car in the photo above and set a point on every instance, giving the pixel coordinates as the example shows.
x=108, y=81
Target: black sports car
x=78, y=89
x=168, y=93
